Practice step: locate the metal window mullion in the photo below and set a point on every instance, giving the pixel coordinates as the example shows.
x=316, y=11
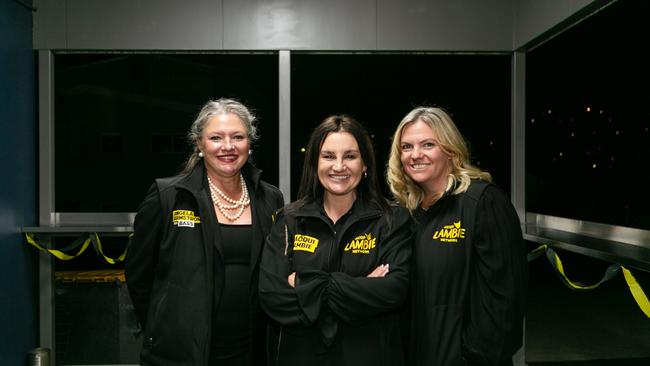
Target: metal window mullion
x=518, y=134
x=46, y=196
x=284, y=125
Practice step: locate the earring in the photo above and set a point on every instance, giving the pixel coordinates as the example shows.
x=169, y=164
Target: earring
x=250, y=152
x=365, y=174
x=200, y=154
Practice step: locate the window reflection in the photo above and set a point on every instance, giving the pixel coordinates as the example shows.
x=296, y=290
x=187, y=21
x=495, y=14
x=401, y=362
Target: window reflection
x=588, y=92
x=380, y=89
x=121, y=120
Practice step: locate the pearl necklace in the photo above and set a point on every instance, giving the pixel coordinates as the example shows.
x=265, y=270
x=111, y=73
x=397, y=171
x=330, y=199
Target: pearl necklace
x=240, y=204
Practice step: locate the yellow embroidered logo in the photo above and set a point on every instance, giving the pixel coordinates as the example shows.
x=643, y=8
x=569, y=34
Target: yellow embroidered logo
x=185, y=218
x=305, y=243
x=362, y=244
x=450, y=233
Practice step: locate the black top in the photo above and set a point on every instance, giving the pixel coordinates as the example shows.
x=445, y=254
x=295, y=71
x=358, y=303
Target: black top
x=469, y=279
x=174, y=270
x=231, y=333
x=335, y=315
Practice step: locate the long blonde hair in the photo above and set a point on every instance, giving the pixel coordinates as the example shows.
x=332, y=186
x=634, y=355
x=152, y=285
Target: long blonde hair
x=404, y=189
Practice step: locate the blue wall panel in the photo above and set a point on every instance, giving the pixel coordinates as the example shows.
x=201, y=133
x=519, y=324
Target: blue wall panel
x=18, y=264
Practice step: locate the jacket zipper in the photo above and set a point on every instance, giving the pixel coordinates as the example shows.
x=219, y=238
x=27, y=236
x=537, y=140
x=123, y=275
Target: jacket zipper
x=335, y=247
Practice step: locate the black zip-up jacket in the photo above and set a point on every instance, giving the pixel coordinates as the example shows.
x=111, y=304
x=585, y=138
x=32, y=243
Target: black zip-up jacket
x=469, y=279
x=175, y=257
x=336, y=315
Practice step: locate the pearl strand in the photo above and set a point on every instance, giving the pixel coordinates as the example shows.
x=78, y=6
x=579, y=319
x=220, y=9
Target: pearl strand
x=241, y=203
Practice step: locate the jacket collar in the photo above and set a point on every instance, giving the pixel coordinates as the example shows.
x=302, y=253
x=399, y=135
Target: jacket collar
x=358, y=210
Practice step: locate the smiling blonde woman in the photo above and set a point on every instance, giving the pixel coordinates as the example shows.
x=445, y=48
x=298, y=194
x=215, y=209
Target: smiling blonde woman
x=469, y=272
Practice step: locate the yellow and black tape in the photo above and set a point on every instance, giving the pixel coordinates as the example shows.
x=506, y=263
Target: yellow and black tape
x=31, y=239
x=98, y=248
x=83, y=242
x=635, y=288
x=637, y=292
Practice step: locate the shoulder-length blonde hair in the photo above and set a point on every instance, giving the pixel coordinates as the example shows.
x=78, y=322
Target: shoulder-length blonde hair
x=404, y=189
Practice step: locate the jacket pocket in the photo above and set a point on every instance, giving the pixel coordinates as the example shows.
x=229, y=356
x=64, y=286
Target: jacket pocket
x=172, y=331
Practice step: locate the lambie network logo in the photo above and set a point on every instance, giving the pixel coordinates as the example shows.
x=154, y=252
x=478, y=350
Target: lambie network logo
x=450, y=233
x=362, y=244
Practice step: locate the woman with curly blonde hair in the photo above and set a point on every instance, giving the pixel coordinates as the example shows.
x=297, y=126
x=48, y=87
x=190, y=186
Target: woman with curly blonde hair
x=469, y=270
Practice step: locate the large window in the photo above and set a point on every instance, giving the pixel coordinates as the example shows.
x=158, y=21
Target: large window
x=379, y=89
x=587, y=125
x=121, y=119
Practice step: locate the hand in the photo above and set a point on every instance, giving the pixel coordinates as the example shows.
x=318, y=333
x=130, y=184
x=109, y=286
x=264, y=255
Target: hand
x=292, y=279
x=380, y=271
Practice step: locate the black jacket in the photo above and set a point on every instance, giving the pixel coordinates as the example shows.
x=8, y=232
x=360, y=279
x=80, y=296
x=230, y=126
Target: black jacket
x=469, y=279
x=336, y=315
x=175, y=257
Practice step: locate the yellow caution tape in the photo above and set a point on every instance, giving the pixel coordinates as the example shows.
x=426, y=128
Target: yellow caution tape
x=637, y=292
x=559, y=267
x=635, y=288
x=98, y=246
x=92, y=238
x=57, y=253
x=537, y=252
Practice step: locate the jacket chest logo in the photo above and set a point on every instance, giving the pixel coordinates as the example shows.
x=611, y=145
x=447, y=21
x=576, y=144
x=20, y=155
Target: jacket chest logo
x=185, y=218
x=362, y=244
x=305, y=243
x=450, y=233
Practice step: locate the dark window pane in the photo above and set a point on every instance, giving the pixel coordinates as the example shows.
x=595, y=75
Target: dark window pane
x=588, y=92
x=122, y=119
x=380, y=89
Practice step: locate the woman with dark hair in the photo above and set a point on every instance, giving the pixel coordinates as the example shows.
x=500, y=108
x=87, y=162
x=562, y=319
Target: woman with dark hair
x=335, y=267
x=469, y=270
x=192, y=266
